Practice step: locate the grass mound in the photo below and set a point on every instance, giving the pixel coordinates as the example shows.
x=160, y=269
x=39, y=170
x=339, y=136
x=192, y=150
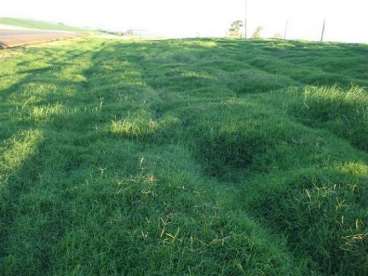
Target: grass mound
x=257, y=81
x=242, y=137
x=224, y=142
x=343, y=111
x=322, y=213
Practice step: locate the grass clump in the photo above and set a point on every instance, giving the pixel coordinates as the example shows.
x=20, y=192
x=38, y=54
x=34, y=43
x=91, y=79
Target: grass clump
x=137, y=125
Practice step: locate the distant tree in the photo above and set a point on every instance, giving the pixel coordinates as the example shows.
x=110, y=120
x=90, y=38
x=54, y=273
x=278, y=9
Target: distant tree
x=258, y=32
x=235, y=29
x=277, y=36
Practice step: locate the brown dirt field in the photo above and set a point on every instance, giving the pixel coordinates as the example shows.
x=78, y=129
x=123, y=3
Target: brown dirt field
x=13, y=38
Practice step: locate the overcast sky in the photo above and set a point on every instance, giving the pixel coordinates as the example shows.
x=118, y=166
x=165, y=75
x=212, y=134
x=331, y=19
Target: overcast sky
x=346, y=20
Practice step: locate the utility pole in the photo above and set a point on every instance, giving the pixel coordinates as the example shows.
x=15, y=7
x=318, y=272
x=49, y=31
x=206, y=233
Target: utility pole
x=323, y=30
x=286, y=28
x=246, y=20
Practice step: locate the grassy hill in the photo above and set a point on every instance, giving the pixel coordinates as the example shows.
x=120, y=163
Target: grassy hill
x=33, y=24
x=198, y=157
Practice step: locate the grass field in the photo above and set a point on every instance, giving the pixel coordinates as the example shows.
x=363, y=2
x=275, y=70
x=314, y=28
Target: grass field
x=40, y=25
x=184, y=157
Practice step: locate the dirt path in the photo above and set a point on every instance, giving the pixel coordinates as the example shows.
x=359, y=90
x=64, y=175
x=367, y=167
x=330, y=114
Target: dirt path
x=12, y=38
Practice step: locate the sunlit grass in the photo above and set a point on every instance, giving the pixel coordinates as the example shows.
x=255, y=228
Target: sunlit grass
x=139, y=127
x=16, y=150
x=45, y=112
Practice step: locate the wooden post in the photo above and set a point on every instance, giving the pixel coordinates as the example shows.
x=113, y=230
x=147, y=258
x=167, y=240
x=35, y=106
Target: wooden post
x=246, y=20
x=323, y=30
x=286, y=28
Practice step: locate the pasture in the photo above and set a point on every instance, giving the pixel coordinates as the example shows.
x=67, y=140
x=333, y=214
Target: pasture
x=184, y=157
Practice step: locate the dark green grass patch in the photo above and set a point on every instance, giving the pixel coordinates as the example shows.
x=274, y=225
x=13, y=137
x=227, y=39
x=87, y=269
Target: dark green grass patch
x=257, y=81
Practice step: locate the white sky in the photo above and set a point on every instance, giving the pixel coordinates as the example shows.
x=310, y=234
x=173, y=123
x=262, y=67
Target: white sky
x=347, y=20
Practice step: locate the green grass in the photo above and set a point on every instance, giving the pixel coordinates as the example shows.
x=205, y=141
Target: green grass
x=184, y=157
x=40, y=25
